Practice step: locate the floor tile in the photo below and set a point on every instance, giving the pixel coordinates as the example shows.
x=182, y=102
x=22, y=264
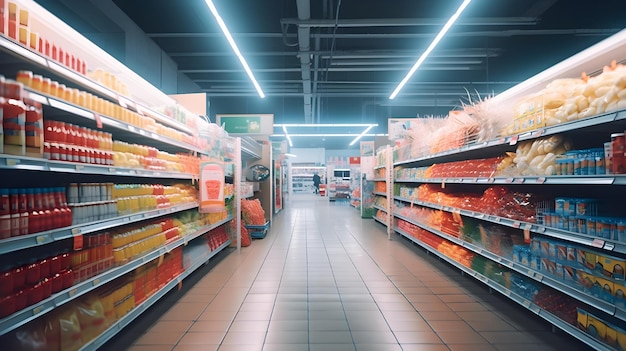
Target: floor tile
x=248, y=326
x=241, y=347
x=378, y=347
x=330, y=337
x=244, y=338
x=159, y=338
x=202, y=338
x=466, y=306
x=423, y=337
x=374, y=337
x=328, y=325
x=332, y=347
x=424, y=347
x=170, y=326
x=151, y=348
x=461, y=337
x=450, y=326
x=210, y=326
x=287, y=337
x=288, y=325
x=194, y=347
x=285, y=347
x=472, y=347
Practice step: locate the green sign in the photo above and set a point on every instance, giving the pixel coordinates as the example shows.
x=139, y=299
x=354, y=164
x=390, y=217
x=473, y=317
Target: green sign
x=241, y=124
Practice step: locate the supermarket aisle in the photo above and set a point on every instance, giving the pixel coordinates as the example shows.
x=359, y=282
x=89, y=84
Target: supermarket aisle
x=324, y=279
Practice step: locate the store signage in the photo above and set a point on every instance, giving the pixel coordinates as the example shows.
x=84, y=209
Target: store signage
x=247, y=124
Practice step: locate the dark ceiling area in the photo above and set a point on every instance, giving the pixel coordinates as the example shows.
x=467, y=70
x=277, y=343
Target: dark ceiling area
x=334, y=61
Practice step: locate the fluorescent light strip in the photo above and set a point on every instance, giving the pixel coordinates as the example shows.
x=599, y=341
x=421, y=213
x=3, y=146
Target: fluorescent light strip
x=326, y=125
x=430, y=48
x=291, y=155
x=324, y=135
x=233, y=45
x=287, y=136
x=361, y=135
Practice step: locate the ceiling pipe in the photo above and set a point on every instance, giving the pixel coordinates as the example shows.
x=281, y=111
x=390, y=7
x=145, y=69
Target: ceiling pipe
x=307, y=77
x=404, y=22
x=316, y=100
x=304, y=42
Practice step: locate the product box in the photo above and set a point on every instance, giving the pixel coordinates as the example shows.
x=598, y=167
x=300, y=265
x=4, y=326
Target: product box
x=596, y=328
x=529, y=114
x=569, y=275
x=548, y=266
x=586, y=259
x=571, y=254
x=561, y=252
x=620, y=295
x=611, y=267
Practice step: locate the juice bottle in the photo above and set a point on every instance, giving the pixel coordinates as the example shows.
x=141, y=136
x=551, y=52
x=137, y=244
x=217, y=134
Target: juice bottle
x=12, y=31
x=14, y=118
x=5, y=214
x=14, y=205
x=33, y=218
x=23, y=208
x=45, y=215
x=34, y=124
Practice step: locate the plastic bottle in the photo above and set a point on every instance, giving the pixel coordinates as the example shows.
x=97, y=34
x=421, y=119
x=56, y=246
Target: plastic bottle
x=14, y=198
x=45, y=213
x=24, y=214
x=33, y=217
x=5, y=214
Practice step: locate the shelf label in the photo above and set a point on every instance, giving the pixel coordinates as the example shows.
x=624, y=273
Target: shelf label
x=539, y=277
x=40, y=239
x=132, y=129
x=514, y=140
x=96, y=281
x=12, y=162
x=96, y=116
x=508, y=180
x=531, y=273
x=490, y=180
x=609, y=246
x=75, y=231
x=161, y=259
x=536, y=309
x=37, y=310
x=526, y=303
x=136, y=217
x=79, y=167
x=78, y=242
x=443, y=184
x=541, y=180
x=518, y=181
x=527, y=233
x=597, y=243
x=72, y=292
x=507, y=292
x=154, y=135
x=497, y=219
x=142, y=132
x=516, y=224
x=112, y=170
x=537, y=133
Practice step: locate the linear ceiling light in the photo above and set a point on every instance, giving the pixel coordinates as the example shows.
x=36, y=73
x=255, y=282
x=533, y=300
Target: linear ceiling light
x=325, y=135
x=233, y=45
x=430, y=48
x=326, y=125
x=287, y=136
x=361, y=135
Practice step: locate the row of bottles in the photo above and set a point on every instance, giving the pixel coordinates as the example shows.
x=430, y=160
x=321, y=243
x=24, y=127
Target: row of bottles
x=33, y=210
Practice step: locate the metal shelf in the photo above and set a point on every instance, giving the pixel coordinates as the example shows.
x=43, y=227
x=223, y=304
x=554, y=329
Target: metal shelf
x=107, y=121
x=31, y=56
x=580, y=295
x=44, y=238
x=379, y=180
x=138, y=310
x=40, y=164
x=583, y=239
x=548, y=180
x=251, y=148
x=379, y=193
x=557, y=322
x=509, y=141
x=380, y=208
x=380, y=166
x=380, y=221
x=37, y=310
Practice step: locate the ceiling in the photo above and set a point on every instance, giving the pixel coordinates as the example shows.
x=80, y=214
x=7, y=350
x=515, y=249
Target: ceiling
x=334, y=61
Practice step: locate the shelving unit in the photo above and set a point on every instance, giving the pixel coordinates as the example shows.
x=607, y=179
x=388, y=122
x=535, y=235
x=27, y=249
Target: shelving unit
x=595, y=130
x=46, y=172
x=383, y=178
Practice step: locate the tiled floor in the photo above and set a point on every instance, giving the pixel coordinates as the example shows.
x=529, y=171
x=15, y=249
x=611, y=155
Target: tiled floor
x=325, y=279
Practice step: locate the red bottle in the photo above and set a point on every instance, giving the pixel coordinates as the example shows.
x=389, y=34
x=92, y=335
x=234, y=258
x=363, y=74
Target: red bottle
x=5, y=214
x=33, y=218
x=14, y=204
x=24, y=214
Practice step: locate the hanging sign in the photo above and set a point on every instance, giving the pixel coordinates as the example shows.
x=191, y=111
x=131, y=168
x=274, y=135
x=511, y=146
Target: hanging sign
x=212, y=187
x=262, y=124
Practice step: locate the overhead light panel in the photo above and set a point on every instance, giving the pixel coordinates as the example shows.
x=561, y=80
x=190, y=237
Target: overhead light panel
x=287, y=136
x=361, y=135
x=291, y=155
x=233, y=45
x=430, y=48
x=327, y=125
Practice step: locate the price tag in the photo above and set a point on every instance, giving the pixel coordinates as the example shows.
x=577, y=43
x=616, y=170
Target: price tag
x=537, y=133
x=40, y=239
x=526, y=303
x=490, y=180
x=609, y=246
x=539, y=277
x=541, y=180
x=136, y=217
x=531, y=273
x=180, y=283
x=132, y=129
x=96, y=116
x=125, y=219
x=12, y=162
x=121, y=102
x=37, y=310
x=75, y=231
x=516, y=224
x=514, y=140
x=443, y=184
x=96, y=281
x=527, y=233
x=112, y=170
x=507, y=293
x=142, y=132
x=519, y=181
x=536, y=309
x=497, y=219
x=161, y=258
x=154, y=135
x=79, y=167
x=597, y=243
x=508, y=180
x=72, y=292
x=78, y=242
